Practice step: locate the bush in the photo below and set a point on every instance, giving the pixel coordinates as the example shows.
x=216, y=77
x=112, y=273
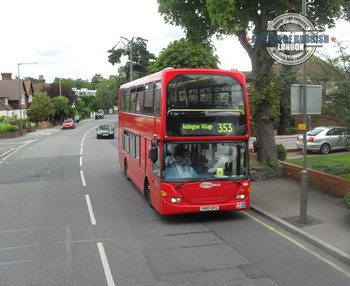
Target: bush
x=347, y=200
x=291, y=130
x=281, y=152
x=335, y=170
x=8, y=128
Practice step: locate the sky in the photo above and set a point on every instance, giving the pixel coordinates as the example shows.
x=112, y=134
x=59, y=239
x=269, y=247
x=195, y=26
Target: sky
x=70, y=38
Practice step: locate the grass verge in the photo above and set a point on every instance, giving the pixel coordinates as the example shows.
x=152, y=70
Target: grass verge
x=337, y=164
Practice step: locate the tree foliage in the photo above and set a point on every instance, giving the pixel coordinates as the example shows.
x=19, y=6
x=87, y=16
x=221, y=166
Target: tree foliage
x=140, y=56
x=264, y=106
x=104, y=94
x=42, y=107
x=96, y=79
x=61, y=86
x=203, y=19
x=288, y=76
x=61, y=107
x=337, y=99
x=184, y=54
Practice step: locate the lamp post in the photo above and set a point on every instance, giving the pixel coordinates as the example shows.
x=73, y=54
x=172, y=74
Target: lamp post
x=19, y=92
x=304, y=173
x=130, y=45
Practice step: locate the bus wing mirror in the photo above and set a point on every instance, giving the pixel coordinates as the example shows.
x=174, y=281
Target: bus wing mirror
x=153, y=154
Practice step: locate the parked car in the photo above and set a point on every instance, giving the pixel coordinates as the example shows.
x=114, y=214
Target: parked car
x=325, y=139
x=99, y=115
x=68, y=123
x=105, y=131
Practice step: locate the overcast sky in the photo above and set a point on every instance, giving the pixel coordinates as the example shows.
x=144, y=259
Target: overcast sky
x=70, y=38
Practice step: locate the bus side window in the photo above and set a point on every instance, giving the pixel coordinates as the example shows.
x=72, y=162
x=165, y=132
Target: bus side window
x=139, y=99
x=126, y=101
x=157, y=95
x=133, y=95
x=148, y=102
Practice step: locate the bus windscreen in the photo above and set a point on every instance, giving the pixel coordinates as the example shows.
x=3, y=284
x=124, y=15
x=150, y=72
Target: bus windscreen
x=205, y=105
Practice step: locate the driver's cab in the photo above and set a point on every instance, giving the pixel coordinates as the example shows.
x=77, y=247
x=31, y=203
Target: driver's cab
x=177, y=162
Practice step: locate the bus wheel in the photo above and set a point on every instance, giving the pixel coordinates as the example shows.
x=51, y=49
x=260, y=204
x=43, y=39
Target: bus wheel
x=147, y=193
x=126, y=169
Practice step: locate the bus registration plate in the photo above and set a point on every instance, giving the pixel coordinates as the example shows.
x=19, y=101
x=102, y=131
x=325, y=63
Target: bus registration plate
x=209, y=208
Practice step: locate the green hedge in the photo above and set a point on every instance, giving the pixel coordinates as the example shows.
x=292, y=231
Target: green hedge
x=347, y=200
x=6, y=127
x=291, y=131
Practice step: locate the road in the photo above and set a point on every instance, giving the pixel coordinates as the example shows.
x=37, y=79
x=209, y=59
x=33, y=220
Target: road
x=68, y=216
x=289, y=142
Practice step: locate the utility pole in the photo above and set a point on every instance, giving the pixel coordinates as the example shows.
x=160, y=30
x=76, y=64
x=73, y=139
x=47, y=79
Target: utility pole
x=130, y=48
x=20, y=96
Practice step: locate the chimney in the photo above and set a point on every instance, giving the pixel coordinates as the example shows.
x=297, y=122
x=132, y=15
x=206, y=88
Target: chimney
x=6, y=76
x=41, y=79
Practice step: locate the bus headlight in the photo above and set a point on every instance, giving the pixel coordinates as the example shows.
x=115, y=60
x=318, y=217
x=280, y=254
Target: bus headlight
x=175, y=200
x=240, y=197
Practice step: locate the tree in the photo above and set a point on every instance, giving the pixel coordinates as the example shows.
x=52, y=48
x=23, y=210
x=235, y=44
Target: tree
x=85, y=105
x=61, y=106
x=41, y=108
x=61, y=86
x=288, y=76
x=104, y=96
x=140, y=56
x=184, y=54
x=337, y=100
x=203, y=19
x=81, y=83
x=96, y=79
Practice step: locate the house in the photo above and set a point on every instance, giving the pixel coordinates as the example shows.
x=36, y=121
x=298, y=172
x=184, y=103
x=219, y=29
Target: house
x=15, y=96
x=84, y=92
x=40, y=85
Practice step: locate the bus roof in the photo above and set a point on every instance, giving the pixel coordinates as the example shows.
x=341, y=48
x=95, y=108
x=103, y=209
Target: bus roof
x=149, y=78
x=158, y=75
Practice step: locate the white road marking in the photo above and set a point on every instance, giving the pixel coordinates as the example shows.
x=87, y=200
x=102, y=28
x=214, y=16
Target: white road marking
x=106, y=268
x=91, y=212
x=27, y=142
x=82, y=178
x=81, y=161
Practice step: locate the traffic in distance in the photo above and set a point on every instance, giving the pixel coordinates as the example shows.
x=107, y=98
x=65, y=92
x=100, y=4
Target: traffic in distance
x=183, y=137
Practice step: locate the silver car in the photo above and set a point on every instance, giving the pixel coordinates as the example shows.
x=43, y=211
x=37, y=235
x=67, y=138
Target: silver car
x=325, y=139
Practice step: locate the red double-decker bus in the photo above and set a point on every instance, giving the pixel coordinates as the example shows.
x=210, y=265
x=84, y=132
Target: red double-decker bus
x=183, y=139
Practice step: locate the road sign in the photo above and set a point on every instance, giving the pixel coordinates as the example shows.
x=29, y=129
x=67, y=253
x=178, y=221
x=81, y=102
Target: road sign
x=313, y=97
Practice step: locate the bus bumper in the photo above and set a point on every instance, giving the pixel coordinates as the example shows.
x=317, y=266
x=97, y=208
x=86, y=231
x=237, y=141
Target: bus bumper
x=167, y=208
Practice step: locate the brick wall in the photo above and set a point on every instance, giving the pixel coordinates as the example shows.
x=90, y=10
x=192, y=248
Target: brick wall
x=332, y=184
x=44, y=124
x=318, y=120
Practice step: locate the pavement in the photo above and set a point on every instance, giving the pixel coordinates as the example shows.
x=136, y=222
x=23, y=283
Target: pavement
x=10, y=145
x=327, y=223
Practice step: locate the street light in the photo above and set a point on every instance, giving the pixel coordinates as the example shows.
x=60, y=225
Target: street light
x=130, y=44
x=20, y=97
x=304, y=173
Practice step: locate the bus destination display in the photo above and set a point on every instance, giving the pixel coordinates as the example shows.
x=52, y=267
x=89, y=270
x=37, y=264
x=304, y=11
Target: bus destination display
x=214, y=128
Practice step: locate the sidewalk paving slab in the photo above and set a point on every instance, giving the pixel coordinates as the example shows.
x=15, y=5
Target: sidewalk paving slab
x=328, y=219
